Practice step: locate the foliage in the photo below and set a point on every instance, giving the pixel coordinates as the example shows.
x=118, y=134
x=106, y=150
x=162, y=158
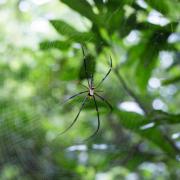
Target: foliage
x=139, y=139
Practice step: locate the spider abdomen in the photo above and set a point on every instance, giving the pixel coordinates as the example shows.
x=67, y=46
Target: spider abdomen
x=91, y=92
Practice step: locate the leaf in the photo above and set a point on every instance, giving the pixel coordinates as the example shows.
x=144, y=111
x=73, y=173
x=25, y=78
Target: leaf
x=169, y=8
x=174, y=9
x=161, y=117
x=128, y=24
x=63, y=45
x=148, y=57
x=134, y=121
x=114, y=20
x=62, y=27
x=131, y=120
x=119, y=3
x=172, y=80
x=161, y=6
x=83, y=8
x=155, y=135
x=145, y=66
x=138, y=158
x=71, y=33
x=90, y=67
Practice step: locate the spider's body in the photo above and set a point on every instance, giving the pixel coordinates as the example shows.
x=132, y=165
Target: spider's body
x=91, y=87
x=91, y=91
x=92, y=94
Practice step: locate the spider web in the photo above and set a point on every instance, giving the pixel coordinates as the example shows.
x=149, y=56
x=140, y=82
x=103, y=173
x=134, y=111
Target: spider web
x=21, y=129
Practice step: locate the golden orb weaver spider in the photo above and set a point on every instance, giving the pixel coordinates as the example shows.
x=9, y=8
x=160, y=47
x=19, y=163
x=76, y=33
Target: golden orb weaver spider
x=92, y=93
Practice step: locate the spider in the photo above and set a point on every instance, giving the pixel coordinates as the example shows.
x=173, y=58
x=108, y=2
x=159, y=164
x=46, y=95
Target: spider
x=91, y=93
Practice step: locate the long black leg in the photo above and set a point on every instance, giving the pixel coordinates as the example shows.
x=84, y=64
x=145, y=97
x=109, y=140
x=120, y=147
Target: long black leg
x=92, y=81
x=85, y=67
x=84, y=86
x=103, y=99
x=99, y=91
x=94, y=134
x=75, y=117
x=106, y=74
x=74, y=96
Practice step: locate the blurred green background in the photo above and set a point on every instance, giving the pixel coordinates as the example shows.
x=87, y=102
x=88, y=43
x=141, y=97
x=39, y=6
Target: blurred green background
x=41, y=65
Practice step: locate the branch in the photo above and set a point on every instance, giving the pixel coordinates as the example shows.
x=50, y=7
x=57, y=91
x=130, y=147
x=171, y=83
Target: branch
x=172, y=80
x=141, y=104
x=130, y=92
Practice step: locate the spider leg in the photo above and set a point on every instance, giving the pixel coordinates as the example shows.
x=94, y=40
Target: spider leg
x=97, y=110
x=103, y=99
x=99, y=91
x=75, y=117
x=106, y=73
x=74, y=96
x=85, y=67
x=92, y=81
x=84, y=86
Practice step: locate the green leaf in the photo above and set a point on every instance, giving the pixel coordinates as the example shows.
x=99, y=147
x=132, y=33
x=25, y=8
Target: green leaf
x=114, y=20
x=136, y=157
x=131, y=120
x=148, y=57
x=161, y=6
x=172, y=80
x=161, y=117
x=128, y=24
x=90, y=67
x=174, y=9
x=155, y=135
x=134, y=122
x=62, y=27
x=63, y=45
x=145, y=66
x=83, y=8
x=170, y=8
x=71, y=33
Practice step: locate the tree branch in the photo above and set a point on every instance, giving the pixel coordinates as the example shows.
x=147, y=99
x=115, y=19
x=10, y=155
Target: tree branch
x=130, y=92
